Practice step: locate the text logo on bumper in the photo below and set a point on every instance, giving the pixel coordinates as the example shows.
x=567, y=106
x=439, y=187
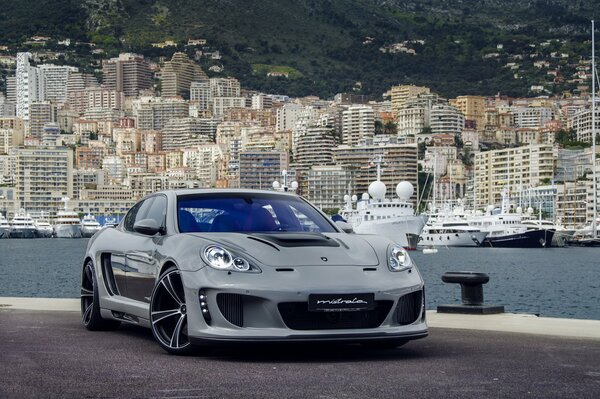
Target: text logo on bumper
x=341, y=302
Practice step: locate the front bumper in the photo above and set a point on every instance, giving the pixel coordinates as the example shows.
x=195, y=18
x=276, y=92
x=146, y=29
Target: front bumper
x=260, y=297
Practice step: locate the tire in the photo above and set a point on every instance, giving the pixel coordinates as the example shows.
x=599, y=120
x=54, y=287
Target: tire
x=168, y=318
x=90, y=305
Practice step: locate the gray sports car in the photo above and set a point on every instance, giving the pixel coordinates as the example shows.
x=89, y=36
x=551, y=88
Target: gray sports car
x=202, y=266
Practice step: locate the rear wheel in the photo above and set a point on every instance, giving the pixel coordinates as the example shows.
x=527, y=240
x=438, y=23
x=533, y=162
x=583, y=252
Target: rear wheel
x=168, y=313
x=90, y=305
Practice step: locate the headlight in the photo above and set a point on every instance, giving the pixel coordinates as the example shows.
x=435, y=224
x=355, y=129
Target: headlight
x=219, y=258
x=398, y=259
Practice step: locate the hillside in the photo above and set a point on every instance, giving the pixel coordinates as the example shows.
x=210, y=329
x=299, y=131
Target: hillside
x=335, y=45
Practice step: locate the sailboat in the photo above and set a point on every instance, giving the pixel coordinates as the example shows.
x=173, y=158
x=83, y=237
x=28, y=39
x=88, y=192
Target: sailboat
x=588, y=237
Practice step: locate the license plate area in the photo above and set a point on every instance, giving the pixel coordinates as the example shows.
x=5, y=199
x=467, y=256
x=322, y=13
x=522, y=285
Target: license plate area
x=341, y=302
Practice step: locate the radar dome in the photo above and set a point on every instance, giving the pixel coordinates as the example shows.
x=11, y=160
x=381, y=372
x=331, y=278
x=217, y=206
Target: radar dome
x=355, y=198
x=404, y=190
x=519, y=209
x=377, y=190
x=365, y=197
x=530, y=210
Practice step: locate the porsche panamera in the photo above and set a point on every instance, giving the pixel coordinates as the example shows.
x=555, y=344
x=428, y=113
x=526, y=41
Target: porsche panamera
x=217, y=266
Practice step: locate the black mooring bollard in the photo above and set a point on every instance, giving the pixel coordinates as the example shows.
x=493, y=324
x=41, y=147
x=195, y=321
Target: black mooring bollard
x=471, y=287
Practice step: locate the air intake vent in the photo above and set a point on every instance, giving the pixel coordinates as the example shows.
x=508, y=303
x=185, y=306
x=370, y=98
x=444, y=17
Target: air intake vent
x=296, y=316
x=232, y=308
x=409, y=308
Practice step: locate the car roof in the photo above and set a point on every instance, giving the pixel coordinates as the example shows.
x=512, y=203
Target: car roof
x=194, y=191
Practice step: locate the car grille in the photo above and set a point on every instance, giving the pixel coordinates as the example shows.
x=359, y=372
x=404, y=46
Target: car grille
x=232, y=308
x=408, y=309
x=296, y=316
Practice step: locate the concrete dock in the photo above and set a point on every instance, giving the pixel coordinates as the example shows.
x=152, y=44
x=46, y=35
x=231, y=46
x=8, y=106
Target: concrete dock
x=45, y=352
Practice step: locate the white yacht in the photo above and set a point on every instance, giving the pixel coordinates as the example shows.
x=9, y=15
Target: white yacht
x=392, y=218
x=89, y=225
x=44, y=228
x=451, y=233
x=4, y=227
x=67, y=224
x=448, y=227
x=506, y=230
x=585, y=236
x=22, y=226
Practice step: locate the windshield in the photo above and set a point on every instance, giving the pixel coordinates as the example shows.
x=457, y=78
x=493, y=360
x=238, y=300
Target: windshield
x=248, y=212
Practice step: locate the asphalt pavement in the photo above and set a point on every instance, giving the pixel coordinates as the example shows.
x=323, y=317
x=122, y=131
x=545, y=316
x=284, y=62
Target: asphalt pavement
x=48, y=354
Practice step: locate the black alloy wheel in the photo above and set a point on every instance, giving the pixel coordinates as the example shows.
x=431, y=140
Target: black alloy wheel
x=90, y=306
x=168, y=313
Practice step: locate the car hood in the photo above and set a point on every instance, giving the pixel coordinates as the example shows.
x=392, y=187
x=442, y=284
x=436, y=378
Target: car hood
x=300, y=249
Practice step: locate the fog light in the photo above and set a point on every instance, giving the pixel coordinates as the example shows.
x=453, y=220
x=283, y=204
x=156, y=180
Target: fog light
x=204, y=306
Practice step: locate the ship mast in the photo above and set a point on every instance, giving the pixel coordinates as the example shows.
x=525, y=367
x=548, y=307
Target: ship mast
x=595, y=193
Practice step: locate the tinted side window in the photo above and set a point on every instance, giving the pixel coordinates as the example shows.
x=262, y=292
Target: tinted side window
x=130, y=217
x=157, y=210
x=137, y=213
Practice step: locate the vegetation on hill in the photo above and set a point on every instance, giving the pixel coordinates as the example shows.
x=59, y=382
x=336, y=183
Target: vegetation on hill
x=333, y=46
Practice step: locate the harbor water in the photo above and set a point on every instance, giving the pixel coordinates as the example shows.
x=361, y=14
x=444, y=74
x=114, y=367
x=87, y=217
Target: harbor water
x=554, y=282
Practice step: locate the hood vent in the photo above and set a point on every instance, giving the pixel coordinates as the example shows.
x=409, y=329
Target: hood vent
x=297, y=239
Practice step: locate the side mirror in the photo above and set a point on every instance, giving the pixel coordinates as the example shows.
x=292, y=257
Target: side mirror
x=345, y=226
x=148, y=227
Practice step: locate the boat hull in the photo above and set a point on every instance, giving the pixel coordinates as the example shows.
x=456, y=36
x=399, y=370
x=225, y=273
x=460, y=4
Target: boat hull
x=462, y=239
x=67, y=231
x=527, y=239
x=405, y=231
x=584, y=242
x=45, y=233
x=88, y=232
x=23, y=233
x=4, y=232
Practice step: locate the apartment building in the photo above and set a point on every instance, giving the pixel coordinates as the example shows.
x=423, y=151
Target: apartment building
x=225, y=87
x=178, y=74
x=204, y=161
x=40, y=114
x=201, y=95
x=43, y=177
x=315, y=147
x=153, y=113
x=473, y=109
x=259, y=169
x=400, y=164
x=27, y=86
x=186, y=132
x=581, y=122
x=85, y=99
x=86, y=179
x=444, y=118
x=128, y=73
x=220, y=105
x=399, y=95
x=327, y=185
x=512, y=168
x=53, y=81
x=531, y=117
x=358, y=124
x=12, y=131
